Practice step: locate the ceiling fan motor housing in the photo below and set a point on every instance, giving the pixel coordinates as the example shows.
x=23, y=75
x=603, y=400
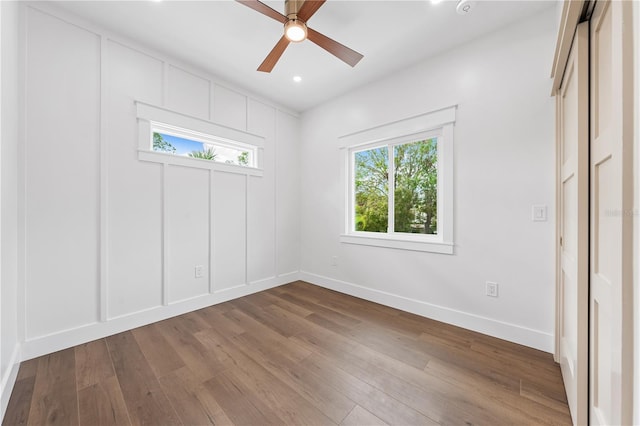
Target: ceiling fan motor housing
x=291, y=7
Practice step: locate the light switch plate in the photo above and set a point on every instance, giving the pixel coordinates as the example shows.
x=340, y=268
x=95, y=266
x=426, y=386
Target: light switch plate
x=539, y=213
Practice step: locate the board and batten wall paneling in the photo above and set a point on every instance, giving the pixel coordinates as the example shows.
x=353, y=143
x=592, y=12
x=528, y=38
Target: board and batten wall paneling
x=134, y=188
x=288, y=226
x=229, y=108
x=188, y=232
x=112, y=242
x=188, y=93
x=229, y=224
x=261, y=203
x=62, y=175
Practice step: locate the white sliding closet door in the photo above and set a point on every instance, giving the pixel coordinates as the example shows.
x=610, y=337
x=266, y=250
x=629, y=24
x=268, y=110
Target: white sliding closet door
x=611, y=219
x=573, y=152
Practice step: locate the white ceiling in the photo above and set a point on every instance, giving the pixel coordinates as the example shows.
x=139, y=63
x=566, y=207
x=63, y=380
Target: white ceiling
x=230, y=40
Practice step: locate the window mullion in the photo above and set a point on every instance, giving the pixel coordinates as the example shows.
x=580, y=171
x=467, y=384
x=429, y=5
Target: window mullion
x=391, y=168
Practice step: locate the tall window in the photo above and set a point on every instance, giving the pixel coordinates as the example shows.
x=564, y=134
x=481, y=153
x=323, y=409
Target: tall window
x=400, y=184
x=411, y=170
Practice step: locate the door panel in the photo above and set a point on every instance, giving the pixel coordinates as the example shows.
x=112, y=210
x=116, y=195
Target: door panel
x=574, y=225
x=611, y=226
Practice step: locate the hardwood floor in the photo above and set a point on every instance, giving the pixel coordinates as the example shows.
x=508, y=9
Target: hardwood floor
x=296, y=354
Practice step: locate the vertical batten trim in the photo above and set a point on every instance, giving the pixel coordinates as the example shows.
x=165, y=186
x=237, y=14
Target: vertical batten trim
x=104, y=186
x=246, y=229
x=165, y=83
x=165, y=238
x=22, y=174
x=212, y=100
x=211, y=234
x=209, y=95
x=276, y=141
x=246, y=113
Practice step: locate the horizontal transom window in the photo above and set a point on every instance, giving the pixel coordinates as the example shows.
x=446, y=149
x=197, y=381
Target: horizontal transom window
x=170, y=137
x=173, y=140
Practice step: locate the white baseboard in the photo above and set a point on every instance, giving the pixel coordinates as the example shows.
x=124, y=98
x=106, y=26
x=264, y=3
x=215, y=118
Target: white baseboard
x=47, y=344
x=512, y=332
x=8, y=380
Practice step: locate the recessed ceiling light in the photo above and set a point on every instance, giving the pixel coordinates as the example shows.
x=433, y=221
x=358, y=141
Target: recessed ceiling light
x=297, y=78
x=436, y=1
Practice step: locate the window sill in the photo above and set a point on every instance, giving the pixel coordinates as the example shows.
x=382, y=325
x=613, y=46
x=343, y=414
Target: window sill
x=398, y=242
x=198, y=163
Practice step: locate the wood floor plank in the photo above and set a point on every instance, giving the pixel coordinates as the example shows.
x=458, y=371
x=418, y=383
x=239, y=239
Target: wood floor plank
x=266, y=335
x=337, y=317
x=432, y=396
x=217, y=320
x=240, y=403
x=262, y=316
x=27, y=369
x=102, y=403
x=295, y=354
x=145, y=400
x=545, y=396
x=431, y=401
x=178, y=332
x=181, y=388
x=20, y=402
x=211, y=406
x=372, y=399
x=150, y=339
x=272, y=299
x=275, y=393
x=93, y=364
x=55, y=400
x=383, y=316
x=359, y=416
x=334, y=405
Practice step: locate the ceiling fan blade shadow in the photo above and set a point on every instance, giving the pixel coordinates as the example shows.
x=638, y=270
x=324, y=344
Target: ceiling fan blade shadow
x=338, y=50
x=308, y=8
x=264, y=9
x=273, y=56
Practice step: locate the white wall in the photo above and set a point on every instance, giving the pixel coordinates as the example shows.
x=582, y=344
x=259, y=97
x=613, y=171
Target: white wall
x=9, y=340
x=504, y=162
x=100, y=224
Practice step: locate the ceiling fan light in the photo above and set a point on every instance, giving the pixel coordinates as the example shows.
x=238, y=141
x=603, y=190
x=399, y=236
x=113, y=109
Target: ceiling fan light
x=295, y=30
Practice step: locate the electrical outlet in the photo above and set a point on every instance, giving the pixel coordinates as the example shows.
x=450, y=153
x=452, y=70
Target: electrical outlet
x=198, y=271
x=334, y=260
x=492, y=289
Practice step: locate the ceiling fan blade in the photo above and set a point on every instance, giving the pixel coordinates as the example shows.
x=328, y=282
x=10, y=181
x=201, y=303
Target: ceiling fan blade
x=264, y=9
x=273, y=56
x=338, y=50
x=308, y=8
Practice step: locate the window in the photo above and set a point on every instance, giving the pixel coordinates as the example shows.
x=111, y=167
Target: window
x=411, y=169
x=399, y=184
x=169, y=137
x=205, y=147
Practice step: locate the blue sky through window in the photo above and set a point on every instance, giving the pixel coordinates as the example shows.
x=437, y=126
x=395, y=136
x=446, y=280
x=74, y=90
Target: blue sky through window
x=182, y=146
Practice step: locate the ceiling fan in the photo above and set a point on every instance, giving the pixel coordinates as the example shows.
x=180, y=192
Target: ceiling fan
x=296, y=30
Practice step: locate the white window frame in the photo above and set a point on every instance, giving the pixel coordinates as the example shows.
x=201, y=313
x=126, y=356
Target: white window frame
x=156, y=119
x=438, y=124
